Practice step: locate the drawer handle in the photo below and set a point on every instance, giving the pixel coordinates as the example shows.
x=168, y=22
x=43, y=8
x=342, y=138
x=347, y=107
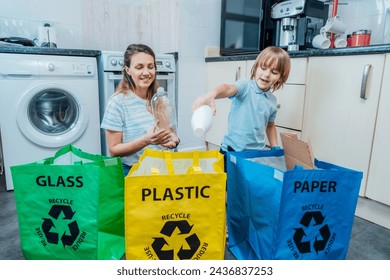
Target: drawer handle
x=238, y=73
x=363, y=88
x=278, y=106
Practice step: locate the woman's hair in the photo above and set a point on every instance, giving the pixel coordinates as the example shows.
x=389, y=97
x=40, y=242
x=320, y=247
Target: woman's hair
x=127, y=82
x=276, y=58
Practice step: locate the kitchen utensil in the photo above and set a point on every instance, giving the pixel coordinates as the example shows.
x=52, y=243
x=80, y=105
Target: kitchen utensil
x=361, y=38
x=340, y=42
x=321, y=41
x=19, y=40
x=335, y=25
x=47, y=36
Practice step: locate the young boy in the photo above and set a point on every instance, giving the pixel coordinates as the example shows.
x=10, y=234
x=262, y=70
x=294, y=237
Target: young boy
x=253, y=109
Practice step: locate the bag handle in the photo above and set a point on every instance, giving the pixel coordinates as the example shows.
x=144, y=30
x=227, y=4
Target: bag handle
x=168, y=162
x=81, y=157
x=195, y=168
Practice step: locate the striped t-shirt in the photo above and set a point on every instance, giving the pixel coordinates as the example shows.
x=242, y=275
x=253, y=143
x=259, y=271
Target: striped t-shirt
x=128, y=113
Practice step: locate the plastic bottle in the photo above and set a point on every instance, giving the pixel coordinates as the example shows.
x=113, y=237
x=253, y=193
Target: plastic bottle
x=163, y=110
x=201, y=120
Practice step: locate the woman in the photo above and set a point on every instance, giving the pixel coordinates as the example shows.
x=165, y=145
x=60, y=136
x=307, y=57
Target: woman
x=129, y=123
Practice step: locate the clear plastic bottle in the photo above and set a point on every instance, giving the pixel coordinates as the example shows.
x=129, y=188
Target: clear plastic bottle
x=163, y=111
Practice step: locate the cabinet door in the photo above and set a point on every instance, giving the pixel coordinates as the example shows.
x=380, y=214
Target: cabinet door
x=337, y=121
x=291, y=100
x=378, y=187
x=219, y=73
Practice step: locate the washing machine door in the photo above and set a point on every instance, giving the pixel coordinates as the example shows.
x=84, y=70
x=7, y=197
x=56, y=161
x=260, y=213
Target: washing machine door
x=51, y=115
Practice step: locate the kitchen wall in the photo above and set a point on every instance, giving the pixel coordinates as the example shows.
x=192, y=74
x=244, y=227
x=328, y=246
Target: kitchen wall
x=367, y=14
x=95, y=24
x=183, y=26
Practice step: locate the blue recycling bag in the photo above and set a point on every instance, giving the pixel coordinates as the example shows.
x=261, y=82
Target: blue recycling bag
x=297, y=214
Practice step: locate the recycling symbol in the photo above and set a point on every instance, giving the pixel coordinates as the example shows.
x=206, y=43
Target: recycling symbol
x=321, y=237
x=50, y=230
x=184, y=228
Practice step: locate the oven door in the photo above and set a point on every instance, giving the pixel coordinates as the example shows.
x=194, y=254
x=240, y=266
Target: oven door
x=168, y=82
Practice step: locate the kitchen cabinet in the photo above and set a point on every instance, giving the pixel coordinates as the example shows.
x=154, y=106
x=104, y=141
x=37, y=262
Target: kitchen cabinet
x=337, y=121
x=219, y=73
x=291, y=100
x=378, y=187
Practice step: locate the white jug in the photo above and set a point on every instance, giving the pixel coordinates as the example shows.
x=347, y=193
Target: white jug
x=201, y=120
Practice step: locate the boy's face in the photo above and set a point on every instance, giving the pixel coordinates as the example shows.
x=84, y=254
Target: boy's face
x=266, y=76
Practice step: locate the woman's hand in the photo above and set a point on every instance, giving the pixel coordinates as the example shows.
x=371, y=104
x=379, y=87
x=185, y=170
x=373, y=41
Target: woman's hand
x=158, y=137
x=173, y=143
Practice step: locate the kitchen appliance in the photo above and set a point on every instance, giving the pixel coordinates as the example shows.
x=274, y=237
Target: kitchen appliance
x=297, y=22
x=110, y=66
x=47, y=36
x=246, y=26
x=47, y=102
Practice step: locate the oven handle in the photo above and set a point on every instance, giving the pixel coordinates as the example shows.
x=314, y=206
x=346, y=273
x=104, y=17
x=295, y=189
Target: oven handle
x=114, y=77
x=170, y=76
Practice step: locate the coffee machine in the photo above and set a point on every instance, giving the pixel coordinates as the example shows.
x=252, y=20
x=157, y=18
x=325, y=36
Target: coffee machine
x=297, y=22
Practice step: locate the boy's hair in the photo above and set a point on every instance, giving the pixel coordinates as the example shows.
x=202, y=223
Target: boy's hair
x=276, y=58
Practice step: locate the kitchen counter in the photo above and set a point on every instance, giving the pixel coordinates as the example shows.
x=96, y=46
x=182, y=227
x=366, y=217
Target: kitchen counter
x=6, y=48
x=374, y=49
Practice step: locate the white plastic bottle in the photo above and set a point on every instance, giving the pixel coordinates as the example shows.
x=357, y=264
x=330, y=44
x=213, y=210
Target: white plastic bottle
x=163, y=110
x=201, y=120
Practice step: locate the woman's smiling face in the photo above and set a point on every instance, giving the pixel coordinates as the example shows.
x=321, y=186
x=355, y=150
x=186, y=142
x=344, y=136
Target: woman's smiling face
x=142, y=70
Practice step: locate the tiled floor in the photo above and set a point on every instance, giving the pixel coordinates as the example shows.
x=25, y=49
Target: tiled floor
x=368, y=241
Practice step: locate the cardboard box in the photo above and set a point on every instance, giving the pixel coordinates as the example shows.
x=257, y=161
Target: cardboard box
x=296, y=151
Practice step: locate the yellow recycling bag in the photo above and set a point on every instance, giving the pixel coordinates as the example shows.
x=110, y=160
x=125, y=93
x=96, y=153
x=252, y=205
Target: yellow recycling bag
x=175, y=206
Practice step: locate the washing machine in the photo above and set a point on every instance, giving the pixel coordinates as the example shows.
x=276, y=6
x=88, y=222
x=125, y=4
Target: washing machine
x=47, y=102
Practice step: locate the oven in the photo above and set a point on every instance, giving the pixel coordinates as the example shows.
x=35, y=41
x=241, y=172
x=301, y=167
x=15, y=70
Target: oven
x=110, y=65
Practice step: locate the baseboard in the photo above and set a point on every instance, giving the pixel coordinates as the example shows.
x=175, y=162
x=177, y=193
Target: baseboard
x=373, y=211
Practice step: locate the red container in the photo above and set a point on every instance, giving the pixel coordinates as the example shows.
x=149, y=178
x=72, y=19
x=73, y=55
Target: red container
x=349, y=40
x=361, y=38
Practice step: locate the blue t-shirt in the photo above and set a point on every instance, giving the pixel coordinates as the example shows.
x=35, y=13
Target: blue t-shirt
x=251, y=111
x=128, y=114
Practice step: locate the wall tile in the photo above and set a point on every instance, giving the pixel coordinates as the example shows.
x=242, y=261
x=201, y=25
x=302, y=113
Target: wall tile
x=13, y=27
x=66, y=12
x=347, y=11
x=69, y=36
x=194, y=69
x=15, y=9
x=192, y=39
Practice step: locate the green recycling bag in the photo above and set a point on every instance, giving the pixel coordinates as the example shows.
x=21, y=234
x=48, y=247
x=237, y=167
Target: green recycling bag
x=71, y=206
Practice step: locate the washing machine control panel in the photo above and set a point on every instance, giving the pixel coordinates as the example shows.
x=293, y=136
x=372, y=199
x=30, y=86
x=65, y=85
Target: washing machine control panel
x=83, y=69
x=66, y=68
